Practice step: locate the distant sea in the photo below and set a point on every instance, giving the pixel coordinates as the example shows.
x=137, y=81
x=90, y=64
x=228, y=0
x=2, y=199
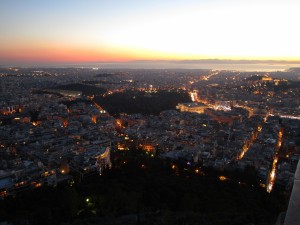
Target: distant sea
x=214, y=65
x=182, y=65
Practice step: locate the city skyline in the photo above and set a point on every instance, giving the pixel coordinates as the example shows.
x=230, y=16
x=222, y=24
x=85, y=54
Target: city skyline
x=58, y=32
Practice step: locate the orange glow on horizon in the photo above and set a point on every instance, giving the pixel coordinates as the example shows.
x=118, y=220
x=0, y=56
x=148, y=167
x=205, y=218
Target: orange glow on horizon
x=77, y=31
x=63, y=53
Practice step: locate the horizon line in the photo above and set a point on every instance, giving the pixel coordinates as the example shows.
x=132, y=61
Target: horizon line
x=173, y=61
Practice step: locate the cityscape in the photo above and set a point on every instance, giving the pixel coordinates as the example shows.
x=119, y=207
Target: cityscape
x=149, y=112
x=60, y=126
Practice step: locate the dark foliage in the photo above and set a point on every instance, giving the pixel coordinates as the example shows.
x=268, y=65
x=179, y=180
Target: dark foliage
x=34, y=115
x=85, y=89
x=41, y=92
x=132, y=102
x=153, y=193
x=104, y=75
x=76, y=101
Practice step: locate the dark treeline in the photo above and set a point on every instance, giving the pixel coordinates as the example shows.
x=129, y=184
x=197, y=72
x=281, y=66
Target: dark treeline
x=45, y=92
x=102, y=75
x=76, y=101
x=144, y=190
x=85, y=89
x=131, y=102
x=93, y=82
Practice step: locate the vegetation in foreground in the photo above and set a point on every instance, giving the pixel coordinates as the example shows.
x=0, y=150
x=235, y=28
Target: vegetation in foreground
x=140, y=189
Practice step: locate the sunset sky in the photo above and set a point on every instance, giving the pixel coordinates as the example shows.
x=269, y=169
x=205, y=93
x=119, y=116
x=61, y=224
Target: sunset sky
x=79, y=31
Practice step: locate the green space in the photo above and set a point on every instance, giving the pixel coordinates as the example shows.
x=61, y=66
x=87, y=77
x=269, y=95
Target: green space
x=147, y=103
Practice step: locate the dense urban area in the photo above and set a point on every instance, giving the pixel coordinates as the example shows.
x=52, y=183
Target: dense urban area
x=96, y=146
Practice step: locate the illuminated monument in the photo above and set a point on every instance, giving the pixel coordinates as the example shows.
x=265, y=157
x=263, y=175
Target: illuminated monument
x=194, y=107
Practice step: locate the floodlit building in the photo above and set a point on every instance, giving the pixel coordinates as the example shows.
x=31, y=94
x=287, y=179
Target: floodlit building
x=195, y=107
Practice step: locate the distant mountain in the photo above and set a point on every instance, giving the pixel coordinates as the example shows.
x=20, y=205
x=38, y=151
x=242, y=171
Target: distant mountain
x=294, y=70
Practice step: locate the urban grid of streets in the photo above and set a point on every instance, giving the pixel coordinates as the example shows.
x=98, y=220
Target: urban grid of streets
x=233, y=120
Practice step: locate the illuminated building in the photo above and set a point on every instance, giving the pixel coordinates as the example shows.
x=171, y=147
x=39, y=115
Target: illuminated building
x=103, y=160
x=74, y=94
x=148, y=146
x=222, y=116
x=266, y=78
x=92, y=159
x=194, y=107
